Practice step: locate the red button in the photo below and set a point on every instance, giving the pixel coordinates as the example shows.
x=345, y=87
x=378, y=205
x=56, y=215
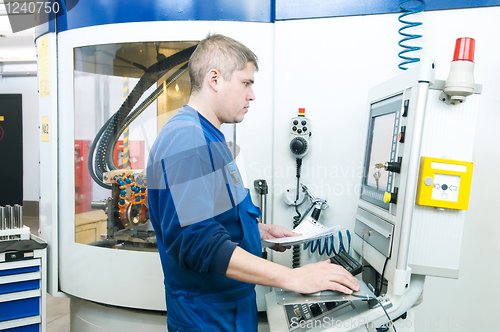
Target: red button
x=401, y=136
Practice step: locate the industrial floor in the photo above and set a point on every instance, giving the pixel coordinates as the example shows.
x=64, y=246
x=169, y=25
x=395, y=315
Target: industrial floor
x=57, y=308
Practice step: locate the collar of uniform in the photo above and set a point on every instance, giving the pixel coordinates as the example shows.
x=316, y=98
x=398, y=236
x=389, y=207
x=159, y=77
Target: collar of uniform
x=205, y=123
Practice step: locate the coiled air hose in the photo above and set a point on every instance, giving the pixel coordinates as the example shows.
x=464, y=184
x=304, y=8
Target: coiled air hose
x=107, y=134
x=328, y=245
x=404, y=5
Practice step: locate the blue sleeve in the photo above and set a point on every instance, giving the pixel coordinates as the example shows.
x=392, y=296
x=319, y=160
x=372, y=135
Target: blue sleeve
x=188, y=194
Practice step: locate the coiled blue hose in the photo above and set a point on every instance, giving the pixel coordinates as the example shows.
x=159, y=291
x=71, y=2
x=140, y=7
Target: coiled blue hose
x=327, y=245
x=404, y=6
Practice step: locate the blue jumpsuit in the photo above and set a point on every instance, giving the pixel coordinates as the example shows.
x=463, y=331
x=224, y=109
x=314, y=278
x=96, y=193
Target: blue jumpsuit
x=201, y=211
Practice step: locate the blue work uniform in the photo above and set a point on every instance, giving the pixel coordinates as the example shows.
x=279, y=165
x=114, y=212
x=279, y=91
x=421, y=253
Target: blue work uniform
x=201, y=211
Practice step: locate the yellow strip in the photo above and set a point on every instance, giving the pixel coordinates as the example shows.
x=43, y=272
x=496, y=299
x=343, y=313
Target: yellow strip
x=125, y=160
x=125, y=139
x=1, y=118
x=44, y=67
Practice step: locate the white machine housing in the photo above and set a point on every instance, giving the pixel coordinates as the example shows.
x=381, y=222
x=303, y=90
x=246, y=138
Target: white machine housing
x=425, y=239
x=410, y=240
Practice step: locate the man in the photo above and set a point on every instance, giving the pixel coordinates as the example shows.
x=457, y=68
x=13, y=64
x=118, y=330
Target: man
x=205, y=221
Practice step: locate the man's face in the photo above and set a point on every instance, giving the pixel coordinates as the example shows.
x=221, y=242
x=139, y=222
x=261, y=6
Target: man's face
x=236, y=94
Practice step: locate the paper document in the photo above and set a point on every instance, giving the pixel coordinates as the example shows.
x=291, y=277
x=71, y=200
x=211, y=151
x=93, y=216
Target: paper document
x=310, y=230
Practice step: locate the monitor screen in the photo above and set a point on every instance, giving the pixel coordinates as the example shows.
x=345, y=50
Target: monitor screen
x=381, y=148
x=382, y=136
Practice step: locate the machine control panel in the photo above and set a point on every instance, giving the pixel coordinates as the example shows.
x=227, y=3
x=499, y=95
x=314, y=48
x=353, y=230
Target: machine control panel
x=300, y=131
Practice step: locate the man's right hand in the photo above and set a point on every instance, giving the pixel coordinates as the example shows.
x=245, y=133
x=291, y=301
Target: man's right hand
x=307, y=279
x=321, y=276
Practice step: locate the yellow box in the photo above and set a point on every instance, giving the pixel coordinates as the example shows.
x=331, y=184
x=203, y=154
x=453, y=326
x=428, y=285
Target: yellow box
x=444, y=183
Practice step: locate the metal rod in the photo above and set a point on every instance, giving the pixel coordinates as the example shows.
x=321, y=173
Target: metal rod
x=14, y=216
x=18, y=74
x=263, y=207
x=2, y=218
x=19, y=215
x=9, y=220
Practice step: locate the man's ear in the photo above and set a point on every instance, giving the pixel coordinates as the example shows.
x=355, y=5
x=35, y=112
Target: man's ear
x=213, y=77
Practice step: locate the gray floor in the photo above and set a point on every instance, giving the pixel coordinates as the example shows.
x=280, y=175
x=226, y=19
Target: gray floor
x=57, y=308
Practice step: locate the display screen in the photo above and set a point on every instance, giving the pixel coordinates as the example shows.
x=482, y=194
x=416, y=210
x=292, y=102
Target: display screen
x=381, y=146
x=382, y=139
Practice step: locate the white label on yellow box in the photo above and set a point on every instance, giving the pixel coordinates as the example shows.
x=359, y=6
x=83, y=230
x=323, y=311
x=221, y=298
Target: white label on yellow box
x=449, y=167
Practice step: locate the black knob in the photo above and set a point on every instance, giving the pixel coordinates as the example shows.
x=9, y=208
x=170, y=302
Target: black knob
x=444, y=186
x=298, y=145
x=394, y=166
x=299, y=131
x=315, y=309
x=295, y=122
x=303, y=122
x=304, y=129
x=294, y=128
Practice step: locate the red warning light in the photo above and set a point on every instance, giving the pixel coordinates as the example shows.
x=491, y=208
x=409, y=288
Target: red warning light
x=464, y=49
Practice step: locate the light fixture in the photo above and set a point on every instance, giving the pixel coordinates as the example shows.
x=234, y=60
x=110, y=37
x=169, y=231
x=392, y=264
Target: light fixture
x=460, y=82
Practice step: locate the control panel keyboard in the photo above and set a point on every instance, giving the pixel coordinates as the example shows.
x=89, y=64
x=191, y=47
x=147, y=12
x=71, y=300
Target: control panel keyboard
x=345, y=260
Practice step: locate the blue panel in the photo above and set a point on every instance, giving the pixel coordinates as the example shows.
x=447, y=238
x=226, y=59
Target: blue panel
x=19, y=270
x=27, y=328
x=299, y=9
x=92, y=13
x=19, y=286
x=19, y=309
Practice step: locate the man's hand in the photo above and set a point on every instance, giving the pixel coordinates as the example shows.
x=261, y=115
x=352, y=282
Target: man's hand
x=269, y=232
x=312, y=278
x=307, y=279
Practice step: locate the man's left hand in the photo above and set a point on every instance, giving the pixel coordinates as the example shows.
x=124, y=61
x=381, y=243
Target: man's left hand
x=268, y=232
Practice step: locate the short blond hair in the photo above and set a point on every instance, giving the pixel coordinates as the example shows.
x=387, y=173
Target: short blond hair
x=218, y=52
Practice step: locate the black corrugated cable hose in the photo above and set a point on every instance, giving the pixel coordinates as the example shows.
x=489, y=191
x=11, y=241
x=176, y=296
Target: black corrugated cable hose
x=172, y=78
x=297, y=218
x=151, y=76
